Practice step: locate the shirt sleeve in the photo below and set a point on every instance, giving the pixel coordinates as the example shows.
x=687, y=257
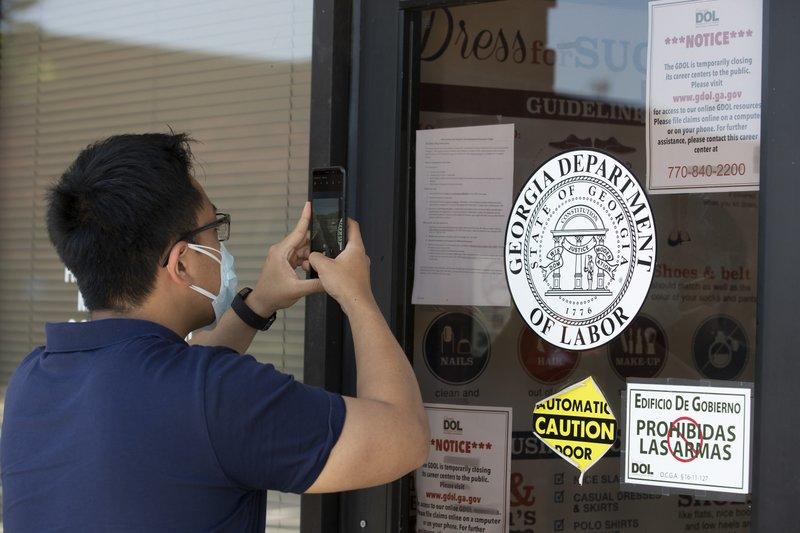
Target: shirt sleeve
x=268, y=430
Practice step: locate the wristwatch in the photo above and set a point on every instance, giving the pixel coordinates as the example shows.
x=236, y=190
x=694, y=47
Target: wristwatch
x=248, y=316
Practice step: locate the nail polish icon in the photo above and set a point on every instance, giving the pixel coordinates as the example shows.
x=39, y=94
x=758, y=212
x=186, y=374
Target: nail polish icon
x=448, y=338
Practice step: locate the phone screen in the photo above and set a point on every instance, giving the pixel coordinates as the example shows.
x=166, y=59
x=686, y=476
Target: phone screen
x=327, y=208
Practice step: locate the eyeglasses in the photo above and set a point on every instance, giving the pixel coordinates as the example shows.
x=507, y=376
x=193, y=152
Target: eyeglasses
x=222, y=224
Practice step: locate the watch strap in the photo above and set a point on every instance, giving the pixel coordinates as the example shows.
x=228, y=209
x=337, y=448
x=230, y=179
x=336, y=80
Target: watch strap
x=248, y=316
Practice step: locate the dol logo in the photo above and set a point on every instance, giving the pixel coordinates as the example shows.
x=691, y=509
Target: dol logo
x=452, y=425
x=580, y=249
x=705, y=17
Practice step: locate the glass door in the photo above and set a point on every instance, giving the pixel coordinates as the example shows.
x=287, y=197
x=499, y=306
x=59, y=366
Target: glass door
x=571, y=74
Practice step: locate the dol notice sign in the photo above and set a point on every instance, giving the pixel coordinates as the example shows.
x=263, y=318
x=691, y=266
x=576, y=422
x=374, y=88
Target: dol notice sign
x=688, y=437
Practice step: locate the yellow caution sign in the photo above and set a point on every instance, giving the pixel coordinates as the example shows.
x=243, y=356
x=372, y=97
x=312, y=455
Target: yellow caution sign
x=577, y=424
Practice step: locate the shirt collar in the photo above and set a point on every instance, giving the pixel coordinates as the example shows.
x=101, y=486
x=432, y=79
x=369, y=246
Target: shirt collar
x=79, y=336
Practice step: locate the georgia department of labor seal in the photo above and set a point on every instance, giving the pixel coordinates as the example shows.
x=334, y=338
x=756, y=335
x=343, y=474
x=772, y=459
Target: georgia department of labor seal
x=580, y=249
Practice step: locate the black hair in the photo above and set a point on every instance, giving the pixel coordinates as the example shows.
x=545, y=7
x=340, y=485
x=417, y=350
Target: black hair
x=115, y=211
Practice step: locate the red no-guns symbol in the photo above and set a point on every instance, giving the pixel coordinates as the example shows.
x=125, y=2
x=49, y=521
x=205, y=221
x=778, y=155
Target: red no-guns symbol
x=693, y=448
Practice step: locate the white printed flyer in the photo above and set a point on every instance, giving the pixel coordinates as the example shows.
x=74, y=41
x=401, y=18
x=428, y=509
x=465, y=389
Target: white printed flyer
x=704, y=96
x=688, y=436
x=463, y=195
x=464, y=485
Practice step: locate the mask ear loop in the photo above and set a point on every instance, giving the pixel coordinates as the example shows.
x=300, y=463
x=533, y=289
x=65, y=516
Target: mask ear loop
x=204, y=292
x=199, y=248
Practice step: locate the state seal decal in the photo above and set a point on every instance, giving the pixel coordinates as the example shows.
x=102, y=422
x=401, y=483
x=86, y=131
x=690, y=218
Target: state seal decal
x=580, y=249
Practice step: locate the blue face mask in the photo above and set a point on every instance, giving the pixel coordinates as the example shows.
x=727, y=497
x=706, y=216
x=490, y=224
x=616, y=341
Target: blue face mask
x=227, y=284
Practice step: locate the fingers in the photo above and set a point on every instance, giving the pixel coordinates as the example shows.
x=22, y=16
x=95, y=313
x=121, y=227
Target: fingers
x=354, y=234
x=299, y=233
x=304, y=250
x=299, y=255
x=319, y=261
x=304, y=287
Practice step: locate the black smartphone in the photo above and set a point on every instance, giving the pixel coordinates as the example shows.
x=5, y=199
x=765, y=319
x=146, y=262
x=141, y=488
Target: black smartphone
x=328, y=208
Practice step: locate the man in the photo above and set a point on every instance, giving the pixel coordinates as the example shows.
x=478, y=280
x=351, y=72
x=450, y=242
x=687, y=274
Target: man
x=119, y=424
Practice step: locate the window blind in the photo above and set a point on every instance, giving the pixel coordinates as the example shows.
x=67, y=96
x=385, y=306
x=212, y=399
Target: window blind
x=236, y=76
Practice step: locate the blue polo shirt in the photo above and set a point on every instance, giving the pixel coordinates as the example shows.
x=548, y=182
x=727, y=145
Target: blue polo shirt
x=118, y=424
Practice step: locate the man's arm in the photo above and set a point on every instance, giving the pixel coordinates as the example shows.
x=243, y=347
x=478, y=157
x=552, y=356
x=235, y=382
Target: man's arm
x=278, y=287
x=385, y=434
x=231, y=330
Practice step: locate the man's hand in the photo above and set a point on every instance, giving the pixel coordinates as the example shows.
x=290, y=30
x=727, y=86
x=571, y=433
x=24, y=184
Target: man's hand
x=278, y=285
x=346, y=278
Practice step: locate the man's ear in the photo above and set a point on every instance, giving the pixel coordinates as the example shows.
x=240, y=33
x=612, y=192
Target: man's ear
x=176, y=264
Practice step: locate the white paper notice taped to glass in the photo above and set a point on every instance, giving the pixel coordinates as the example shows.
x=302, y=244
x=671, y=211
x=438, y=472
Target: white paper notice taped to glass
x=464, y=485
x=704, y=95
x=688, y=436
x=464, y=182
